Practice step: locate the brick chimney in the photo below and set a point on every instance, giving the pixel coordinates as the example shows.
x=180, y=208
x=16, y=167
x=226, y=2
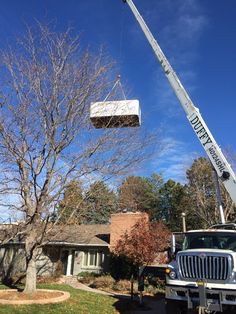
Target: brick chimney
x=123, y=222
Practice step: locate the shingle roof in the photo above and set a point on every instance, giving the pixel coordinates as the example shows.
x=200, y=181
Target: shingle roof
x=82, y=234
x=66, y=234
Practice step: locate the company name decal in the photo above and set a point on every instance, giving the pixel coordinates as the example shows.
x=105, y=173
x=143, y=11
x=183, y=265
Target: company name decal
x=215, y=157
x=200, y=131
x=205, y=139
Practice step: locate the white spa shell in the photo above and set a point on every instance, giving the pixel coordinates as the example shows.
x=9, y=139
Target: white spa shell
x=122, y=113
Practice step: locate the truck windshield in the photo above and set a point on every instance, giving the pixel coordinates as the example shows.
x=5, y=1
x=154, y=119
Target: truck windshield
x=210, y=240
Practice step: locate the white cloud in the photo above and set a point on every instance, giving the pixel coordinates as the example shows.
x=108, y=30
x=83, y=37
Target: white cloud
x=179, y=25
x=174, y=160
x=166, y=100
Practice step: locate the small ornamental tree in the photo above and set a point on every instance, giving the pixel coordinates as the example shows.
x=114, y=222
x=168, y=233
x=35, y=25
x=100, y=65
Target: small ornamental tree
x=143, y=243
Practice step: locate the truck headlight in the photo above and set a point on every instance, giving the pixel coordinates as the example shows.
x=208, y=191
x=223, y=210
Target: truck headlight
x=171, y=273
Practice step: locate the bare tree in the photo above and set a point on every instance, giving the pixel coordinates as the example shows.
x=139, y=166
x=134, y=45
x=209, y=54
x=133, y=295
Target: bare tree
x=201, y=189
x=231, y=156
x=46, y=137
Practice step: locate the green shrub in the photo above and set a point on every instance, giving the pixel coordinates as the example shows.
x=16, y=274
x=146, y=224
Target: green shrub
x=85, y=274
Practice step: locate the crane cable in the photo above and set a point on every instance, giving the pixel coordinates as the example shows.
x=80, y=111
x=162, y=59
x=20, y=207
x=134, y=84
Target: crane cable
x=118, y=82
x=122, y=21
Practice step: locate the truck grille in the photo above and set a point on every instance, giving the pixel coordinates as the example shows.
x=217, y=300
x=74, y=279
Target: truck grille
x=203, y=266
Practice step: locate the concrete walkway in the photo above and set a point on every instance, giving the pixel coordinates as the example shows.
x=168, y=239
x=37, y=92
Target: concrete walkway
x=79, y=285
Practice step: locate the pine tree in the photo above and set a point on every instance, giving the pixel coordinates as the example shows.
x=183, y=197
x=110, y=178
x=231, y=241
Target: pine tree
x=72, y=208
x=100, y=203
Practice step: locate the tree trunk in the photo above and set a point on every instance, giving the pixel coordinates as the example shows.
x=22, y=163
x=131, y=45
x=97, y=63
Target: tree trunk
x=31, y=254
x=30, y=284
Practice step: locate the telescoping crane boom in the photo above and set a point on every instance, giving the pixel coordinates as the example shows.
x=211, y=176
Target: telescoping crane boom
x=217, y=158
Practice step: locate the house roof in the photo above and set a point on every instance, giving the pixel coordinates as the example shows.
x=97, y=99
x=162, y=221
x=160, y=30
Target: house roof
x=97, y=235
x=81, y=234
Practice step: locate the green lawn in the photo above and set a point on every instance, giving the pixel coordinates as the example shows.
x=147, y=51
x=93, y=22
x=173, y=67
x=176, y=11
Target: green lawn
x=80, y=302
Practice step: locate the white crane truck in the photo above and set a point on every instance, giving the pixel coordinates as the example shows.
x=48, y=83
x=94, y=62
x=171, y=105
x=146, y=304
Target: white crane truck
x=203, y=273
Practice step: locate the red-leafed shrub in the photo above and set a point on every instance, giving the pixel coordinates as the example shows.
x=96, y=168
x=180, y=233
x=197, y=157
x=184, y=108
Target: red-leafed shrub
x=143, y=243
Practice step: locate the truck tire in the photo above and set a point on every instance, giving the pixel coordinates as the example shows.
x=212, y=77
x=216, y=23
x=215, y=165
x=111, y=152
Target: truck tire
x=175, y=307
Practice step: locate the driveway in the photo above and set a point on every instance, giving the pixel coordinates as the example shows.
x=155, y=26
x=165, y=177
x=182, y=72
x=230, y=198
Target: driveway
x=157, y=306
x=151, y=306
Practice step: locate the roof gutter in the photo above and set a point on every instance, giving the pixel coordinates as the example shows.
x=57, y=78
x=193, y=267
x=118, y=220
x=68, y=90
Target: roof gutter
x=76, y=244
x=60, y=243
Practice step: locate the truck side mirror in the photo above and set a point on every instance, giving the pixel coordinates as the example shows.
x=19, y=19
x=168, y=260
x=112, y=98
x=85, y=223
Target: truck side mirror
x=176, y=246
x=173, y=243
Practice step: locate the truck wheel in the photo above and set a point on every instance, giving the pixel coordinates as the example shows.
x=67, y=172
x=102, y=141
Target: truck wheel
x=175, y=307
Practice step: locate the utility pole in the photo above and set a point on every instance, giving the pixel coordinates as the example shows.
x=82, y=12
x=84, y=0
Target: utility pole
x=184, y=221
x=221, y=210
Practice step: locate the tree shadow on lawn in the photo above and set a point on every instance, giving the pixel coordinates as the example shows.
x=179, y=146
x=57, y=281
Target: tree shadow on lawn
x=9, y=283
x=125, y=305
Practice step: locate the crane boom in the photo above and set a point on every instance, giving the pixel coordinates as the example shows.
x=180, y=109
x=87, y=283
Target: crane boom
x=217, y=158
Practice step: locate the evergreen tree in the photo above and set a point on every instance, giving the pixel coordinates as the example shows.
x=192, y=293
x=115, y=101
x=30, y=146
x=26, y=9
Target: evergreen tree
x=101, y=202
x=72, y=208
x=155, y=184
x=171, y=204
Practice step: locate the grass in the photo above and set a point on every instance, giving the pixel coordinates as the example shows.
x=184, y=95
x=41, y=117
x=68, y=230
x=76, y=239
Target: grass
x=80, y=302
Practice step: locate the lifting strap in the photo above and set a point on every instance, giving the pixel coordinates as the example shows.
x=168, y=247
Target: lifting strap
x=116, y=85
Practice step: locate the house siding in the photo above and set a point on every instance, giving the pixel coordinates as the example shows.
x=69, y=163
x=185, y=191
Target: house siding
x=79, y=260
x=13, y=261
x=51, y=261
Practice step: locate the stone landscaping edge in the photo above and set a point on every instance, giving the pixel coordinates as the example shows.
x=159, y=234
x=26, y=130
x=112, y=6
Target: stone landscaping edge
x=65, y=296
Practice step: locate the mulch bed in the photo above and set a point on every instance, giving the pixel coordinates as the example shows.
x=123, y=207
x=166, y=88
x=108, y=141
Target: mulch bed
x=38, y=295
x=41, y=296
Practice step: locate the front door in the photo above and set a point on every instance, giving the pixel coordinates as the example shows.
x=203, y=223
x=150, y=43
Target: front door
x=64, y=260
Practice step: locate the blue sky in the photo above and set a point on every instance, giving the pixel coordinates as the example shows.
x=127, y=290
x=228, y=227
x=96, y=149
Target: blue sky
x=198, y=37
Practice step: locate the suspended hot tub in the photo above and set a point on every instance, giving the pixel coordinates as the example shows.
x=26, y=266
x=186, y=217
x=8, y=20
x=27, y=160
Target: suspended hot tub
x=115, y=114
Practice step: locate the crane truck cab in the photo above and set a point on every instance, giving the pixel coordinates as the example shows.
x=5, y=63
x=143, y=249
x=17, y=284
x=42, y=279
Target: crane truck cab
x=202, y=273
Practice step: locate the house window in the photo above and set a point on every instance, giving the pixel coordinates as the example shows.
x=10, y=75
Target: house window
x=93, y=258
